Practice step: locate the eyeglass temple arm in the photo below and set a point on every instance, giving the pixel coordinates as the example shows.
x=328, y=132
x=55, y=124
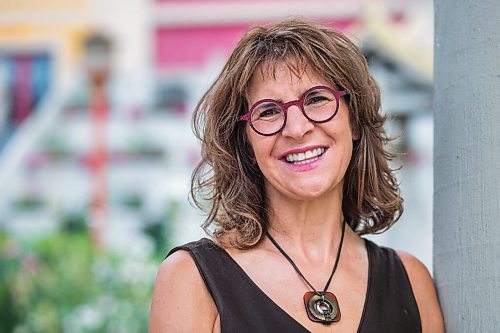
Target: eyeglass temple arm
x=245, y=117
x=342, y=93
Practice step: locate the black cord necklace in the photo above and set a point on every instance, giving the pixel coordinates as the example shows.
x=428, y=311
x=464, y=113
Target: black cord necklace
x=321, y=306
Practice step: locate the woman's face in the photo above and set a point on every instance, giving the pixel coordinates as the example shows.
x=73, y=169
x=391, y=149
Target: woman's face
x=320, y=152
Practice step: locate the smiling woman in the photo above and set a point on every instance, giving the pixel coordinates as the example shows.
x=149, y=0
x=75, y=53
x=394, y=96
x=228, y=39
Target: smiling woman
x=295, y=168
x=302, y=136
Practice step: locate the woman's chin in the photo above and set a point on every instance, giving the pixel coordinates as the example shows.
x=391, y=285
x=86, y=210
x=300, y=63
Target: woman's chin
x=308, y=191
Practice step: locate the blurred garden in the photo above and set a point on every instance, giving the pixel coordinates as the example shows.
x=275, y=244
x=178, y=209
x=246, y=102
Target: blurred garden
x=63, y=282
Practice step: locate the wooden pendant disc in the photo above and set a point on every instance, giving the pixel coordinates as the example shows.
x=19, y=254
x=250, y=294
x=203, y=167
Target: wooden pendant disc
x=322, y=308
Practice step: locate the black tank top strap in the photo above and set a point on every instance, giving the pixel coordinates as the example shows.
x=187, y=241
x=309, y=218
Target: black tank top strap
x=390, y=305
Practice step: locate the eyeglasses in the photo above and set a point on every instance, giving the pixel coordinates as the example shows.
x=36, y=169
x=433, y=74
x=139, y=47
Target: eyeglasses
x=319, y=104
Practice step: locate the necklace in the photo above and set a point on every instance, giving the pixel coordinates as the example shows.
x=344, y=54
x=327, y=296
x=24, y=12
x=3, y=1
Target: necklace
x=321, y=306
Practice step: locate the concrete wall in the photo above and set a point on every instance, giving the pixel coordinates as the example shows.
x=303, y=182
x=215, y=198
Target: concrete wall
x=467, y=164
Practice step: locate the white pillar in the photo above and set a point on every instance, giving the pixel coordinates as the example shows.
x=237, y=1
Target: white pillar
x=467, y=164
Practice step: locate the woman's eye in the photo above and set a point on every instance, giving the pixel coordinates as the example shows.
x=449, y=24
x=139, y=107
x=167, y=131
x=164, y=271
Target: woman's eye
x=267, y=112
x=316, y=100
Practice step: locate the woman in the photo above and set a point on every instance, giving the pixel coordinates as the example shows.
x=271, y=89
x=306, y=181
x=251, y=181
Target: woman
x=294, y=167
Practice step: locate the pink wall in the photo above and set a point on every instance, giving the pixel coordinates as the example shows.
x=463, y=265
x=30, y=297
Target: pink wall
x=190, y=47
x=202, y=1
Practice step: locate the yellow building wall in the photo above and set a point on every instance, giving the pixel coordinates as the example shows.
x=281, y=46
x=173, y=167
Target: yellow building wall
x=28, y=26
x=41, y=5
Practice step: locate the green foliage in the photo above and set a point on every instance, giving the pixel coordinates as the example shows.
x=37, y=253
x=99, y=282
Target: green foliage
x=74, y=223
x=61, y=283
x=133, y=201
x=28, y=203
x=159, y=229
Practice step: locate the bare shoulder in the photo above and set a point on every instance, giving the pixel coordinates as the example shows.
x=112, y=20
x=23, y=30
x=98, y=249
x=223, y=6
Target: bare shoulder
x=178, y=289
x=425, y=293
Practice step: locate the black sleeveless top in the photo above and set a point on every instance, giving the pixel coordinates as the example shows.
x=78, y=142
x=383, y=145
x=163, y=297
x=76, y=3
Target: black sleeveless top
x=390, y=305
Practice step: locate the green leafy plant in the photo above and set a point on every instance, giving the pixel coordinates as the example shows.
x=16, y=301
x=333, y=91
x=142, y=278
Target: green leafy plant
x=62, y=283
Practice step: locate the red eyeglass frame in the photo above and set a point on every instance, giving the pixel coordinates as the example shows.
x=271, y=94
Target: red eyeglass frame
x=299, y=103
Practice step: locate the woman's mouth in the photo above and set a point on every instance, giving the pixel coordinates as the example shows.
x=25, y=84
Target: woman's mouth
x=305, y=157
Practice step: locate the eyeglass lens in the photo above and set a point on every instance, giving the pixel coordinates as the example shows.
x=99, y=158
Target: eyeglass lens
x=318, y=105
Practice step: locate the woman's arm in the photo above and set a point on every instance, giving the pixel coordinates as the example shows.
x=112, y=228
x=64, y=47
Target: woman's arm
x=425, y=294
x=181, y=301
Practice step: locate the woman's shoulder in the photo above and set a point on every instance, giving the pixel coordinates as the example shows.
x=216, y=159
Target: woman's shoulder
x=424, y=292
x=178, y=288
x=180, y=264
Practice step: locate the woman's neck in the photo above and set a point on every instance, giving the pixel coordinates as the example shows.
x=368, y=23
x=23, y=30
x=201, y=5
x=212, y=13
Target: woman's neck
x=312, y=228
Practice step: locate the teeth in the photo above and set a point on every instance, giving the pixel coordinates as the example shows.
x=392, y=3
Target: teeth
x=310, y=156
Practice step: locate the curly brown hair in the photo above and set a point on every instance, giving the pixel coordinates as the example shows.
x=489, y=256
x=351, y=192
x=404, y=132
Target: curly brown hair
x=227, y=182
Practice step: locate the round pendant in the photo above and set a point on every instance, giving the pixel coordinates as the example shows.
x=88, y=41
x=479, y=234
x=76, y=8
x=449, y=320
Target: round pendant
x=322, y=308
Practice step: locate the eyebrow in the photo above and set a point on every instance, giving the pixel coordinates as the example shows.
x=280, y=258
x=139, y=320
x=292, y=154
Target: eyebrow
x=301, y=95
x=266, y=104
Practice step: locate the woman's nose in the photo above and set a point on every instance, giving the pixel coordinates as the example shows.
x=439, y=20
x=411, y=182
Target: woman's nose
x=297, y=125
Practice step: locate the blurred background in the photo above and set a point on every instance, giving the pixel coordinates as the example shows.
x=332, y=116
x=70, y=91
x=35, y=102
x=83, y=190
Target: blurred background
x=96, y=148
